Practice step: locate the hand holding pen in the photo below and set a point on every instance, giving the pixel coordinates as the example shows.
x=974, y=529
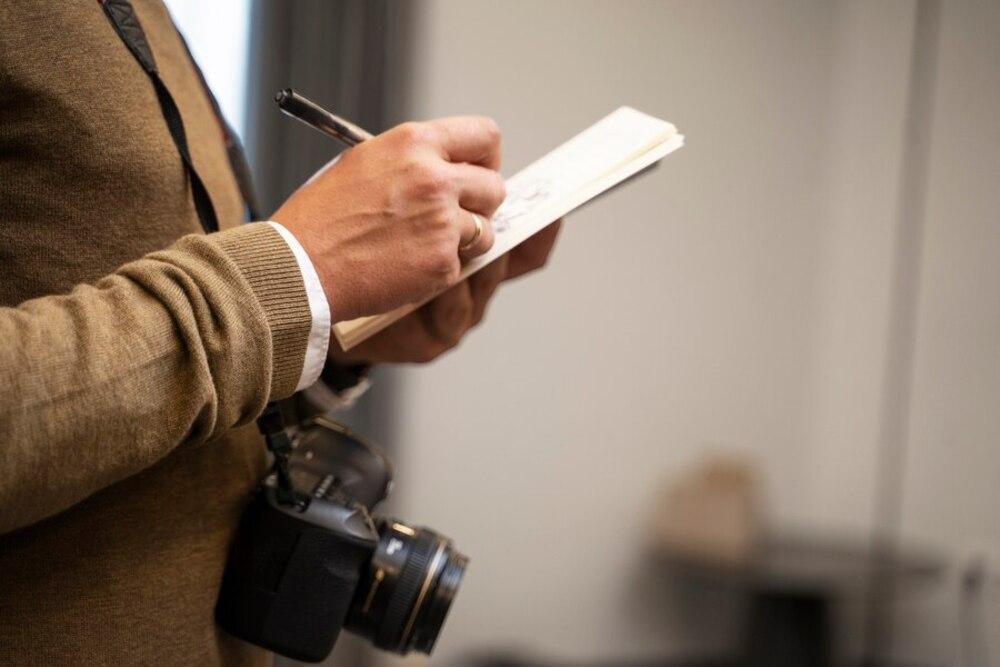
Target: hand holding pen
x=391, y=221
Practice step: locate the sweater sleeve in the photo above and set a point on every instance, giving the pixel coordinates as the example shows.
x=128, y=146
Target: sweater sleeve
x=170, y=350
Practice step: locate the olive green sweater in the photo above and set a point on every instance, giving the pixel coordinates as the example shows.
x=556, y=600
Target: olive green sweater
x=135, y=351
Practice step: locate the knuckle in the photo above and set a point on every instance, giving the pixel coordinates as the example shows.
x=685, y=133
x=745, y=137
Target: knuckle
x=450, y=326
x=499, y=192
x=452, y=321
x=443, y=263
x=534, y=261
x=453, y=270
x=428, y=179
x=413, y=133
x=478, y=316
x=426, y=354
x=451, y=339
x=492, y=130
x=501, y=188
x=441, y=221
x=488, y=237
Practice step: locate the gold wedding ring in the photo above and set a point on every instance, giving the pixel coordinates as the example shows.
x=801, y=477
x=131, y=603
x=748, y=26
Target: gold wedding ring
x=478, y=219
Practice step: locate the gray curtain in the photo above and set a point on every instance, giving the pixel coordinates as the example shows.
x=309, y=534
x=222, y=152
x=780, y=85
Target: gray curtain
x=348, y=56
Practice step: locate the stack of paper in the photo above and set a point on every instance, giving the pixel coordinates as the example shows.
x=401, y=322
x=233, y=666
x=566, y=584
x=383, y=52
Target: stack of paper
x=618, y=146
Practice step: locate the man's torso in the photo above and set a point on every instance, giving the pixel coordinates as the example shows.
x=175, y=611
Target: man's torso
x=90, y=179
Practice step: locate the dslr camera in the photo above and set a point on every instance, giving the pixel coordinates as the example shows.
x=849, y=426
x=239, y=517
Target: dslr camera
x=311, y=557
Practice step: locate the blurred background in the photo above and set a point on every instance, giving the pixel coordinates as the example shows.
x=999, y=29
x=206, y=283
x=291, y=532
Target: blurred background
x=749, y=412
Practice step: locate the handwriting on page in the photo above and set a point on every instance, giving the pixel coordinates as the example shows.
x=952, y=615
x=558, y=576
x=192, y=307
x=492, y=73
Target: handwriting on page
x=592, y=153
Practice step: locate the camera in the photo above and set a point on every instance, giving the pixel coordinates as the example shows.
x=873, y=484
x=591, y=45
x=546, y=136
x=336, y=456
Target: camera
x=310, y=557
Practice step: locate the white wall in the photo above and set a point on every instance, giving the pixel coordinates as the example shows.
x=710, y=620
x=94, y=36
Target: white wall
x=736, y=299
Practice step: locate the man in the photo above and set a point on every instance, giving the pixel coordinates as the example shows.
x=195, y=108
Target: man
x=136, y=350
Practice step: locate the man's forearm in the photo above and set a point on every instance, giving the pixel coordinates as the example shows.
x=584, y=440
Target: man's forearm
x=176, y=347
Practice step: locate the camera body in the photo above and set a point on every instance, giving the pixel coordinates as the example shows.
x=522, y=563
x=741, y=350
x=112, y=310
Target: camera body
x=300, y=571
x=292, y=575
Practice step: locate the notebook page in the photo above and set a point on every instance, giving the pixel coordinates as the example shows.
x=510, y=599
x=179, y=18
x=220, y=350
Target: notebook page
x=619, y=136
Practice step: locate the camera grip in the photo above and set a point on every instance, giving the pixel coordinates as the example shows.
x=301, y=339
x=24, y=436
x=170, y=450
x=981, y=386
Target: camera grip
x=314, y=595
x=289, y=583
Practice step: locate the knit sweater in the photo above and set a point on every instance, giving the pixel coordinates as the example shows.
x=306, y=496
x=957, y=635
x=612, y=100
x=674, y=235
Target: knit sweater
x=135, y=350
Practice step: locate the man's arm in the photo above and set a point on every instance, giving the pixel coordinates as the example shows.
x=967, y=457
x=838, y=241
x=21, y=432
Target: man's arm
x=175, y=347
x=185, y=343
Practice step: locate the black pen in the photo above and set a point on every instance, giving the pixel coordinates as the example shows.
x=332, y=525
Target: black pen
x=315, y=116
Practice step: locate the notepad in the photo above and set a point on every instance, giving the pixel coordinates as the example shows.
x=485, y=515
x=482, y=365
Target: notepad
x=615, y=148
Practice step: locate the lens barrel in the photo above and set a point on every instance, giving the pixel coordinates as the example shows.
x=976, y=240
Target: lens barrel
x=402, y=600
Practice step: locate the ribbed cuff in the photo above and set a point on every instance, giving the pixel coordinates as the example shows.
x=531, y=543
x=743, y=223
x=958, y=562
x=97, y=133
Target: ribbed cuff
x=270, y=267
x=319, y=335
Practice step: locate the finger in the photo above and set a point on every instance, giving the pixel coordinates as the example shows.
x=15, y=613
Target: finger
x=479, y=189
x=407, y=340
x=449, y=315
x=483, y=284
x=533, y=253
x=472, y=139
x=476, y=236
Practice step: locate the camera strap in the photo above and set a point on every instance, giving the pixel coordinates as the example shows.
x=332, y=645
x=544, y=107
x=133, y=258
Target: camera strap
x=126, y=24
x=272, y=427
x=122, y=16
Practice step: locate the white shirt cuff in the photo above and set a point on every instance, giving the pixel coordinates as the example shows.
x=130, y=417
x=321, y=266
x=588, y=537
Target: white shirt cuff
x=319, y=333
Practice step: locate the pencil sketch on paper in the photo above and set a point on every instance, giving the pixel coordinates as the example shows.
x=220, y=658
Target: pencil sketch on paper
x=522, y=196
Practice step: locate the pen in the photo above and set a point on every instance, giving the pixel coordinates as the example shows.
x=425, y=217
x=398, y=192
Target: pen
x=315, y=116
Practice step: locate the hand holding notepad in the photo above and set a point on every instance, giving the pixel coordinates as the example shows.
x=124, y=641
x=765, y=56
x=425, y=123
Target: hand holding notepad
x=615, y=148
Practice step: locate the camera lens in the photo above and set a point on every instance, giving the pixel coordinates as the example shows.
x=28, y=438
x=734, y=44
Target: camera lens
x=402, y=600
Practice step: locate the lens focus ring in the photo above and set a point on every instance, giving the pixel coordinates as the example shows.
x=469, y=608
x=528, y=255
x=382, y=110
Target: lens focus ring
x=411, y=579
